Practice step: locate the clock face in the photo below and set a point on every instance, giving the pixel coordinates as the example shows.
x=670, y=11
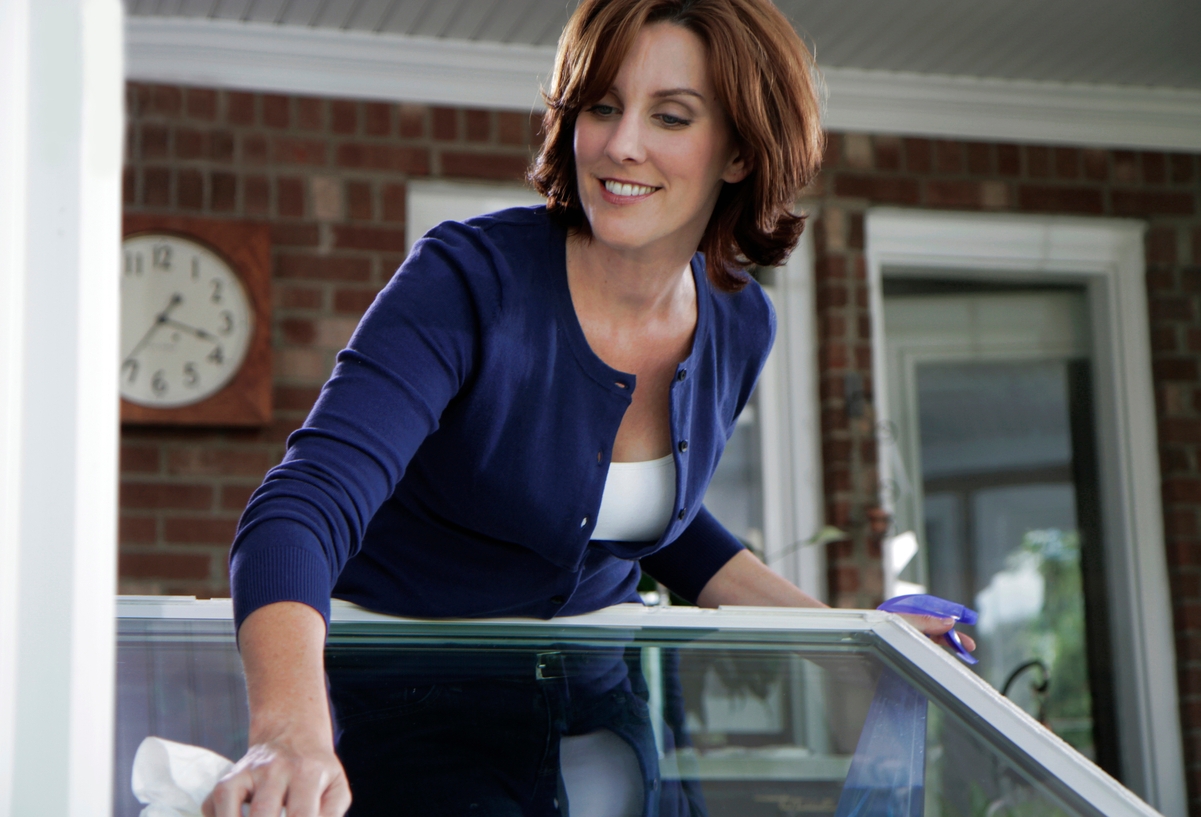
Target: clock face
x=186, y=321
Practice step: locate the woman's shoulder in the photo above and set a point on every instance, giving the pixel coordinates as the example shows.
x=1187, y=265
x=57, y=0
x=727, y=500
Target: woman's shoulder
x=514, y=231
x=746, y=318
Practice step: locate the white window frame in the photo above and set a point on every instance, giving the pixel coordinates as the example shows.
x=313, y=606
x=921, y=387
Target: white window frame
x=1105, y=256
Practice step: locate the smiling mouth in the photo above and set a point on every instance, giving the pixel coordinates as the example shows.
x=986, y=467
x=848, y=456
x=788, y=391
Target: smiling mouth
x=626, y=189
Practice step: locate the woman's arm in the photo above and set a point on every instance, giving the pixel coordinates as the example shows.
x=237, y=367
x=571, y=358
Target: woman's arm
x=746, y=581
x=291, y=761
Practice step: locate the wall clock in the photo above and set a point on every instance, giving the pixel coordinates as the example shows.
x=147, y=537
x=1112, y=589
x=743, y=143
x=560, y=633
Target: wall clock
x=195, y=322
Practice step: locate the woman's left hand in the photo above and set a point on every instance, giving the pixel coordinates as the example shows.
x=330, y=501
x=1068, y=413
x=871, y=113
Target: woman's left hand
x=936, y=628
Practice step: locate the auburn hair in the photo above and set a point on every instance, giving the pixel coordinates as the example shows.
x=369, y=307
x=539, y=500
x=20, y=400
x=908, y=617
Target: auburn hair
x=767, y=86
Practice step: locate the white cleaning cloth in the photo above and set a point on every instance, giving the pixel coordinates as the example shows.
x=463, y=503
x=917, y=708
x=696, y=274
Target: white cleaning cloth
x=173, y=779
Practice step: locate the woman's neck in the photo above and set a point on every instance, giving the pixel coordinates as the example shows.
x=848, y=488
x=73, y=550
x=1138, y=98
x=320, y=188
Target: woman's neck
x=625, y=286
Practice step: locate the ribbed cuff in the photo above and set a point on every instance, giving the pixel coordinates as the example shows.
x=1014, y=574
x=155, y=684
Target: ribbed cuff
x=688, y=563
x=265, y=575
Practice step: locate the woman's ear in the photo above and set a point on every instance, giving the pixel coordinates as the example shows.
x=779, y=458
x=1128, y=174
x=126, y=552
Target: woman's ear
x=738, y=168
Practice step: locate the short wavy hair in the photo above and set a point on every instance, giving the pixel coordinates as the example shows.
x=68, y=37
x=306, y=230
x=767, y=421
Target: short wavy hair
x=767, y=85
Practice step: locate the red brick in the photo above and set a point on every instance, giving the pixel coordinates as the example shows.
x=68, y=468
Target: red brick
x=297, y=297
x=140, y=530
x=191, y=143
x=129, y=185
x=156, y=186
x=289, y=197
x=310, y=113
x=295, y=398
x=1038, y=162
x=298, y=331
x=888, y=189
x=257, y=195
x=166, y=495
x=1067, y=163
x=1181, y=168
x=446, y=124
x=345, y=116
x=164, y=99
x=887, y=151
x=195, y=531
x=189, y=189
x=831, y=268
x=1163, y=339
x=377, y=118
x=1152, y=203
x=1179, y=430
x=353, y=301
x=1009, y=160
x=163, y=565
x=479, y=125
x=1096, y=164
x=1197, y=245
x=1155, y=168
x=369, y=238
x=224, y=187
x=855, y=232
x=412, y=121
x=1193, y=339
x=325, y=267
x=254, y=148
x=217, y=462
x=155, y=141
x=139, y=459
x=952, y=193
x=1046, y=199
x=948, y=156
x=510, y=128
x=276, y=113
x=290, y=150
x=394, y=203
x=832, y=296
x=398, y=158
x=295, y=235
x=979, y=158
x=359, y=203
x=1125, y=167
x=221, y=145
x=1161, y=245
x=239, y=108
x=235, y=497
x=1174, y=369
x=202, y=103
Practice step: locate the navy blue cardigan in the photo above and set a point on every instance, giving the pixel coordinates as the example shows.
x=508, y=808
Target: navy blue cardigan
x=453, y=465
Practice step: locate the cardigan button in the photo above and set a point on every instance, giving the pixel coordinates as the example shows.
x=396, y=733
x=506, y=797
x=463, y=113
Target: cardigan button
x=683, y=512
x=557, y=600
x=683, y=446
x=584, y=522
x=681, y=374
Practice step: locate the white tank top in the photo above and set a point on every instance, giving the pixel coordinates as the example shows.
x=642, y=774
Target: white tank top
x=638, y=500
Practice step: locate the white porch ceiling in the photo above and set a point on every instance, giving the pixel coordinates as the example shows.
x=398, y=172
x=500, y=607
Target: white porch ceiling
x=1108, y=72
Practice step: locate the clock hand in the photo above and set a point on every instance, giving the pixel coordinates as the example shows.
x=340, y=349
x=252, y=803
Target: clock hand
x=159, y=320
x=200, y=333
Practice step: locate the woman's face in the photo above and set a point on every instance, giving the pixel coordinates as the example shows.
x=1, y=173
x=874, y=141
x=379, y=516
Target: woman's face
x=651, y=154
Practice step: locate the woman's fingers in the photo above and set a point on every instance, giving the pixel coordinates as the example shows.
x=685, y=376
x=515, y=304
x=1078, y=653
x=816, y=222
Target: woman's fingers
x=936, y=627
x=309, y=785
x=336, y=801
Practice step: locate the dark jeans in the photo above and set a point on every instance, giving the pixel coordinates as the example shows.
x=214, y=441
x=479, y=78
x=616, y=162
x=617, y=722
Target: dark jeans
x=477, y=733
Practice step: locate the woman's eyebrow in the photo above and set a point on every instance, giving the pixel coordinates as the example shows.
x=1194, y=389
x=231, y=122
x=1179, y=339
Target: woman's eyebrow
x=679, y=92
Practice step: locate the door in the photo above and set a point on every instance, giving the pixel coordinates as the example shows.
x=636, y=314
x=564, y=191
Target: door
x=994, y=472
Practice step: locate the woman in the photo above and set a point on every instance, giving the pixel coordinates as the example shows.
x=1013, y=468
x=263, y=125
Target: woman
x=525, y=371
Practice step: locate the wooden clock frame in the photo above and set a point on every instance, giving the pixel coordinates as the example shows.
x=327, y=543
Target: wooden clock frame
x=246, y=247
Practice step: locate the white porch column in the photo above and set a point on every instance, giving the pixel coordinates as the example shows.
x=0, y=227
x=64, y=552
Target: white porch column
x=61, y=126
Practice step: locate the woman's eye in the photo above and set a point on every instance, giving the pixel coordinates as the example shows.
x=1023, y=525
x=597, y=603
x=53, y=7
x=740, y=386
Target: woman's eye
x=673, y=121
x=603, y=110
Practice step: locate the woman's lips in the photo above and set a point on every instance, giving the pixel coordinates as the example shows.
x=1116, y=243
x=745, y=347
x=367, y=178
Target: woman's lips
x=619, y=192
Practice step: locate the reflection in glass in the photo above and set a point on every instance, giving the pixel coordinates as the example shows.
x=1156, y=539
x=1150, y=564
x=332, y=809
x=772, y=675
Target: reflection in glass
x=471, y=719
x=1001, y=520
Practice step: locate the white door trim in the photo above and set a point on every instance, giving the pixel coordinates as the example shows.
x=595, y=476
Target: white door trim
x=1106, y=257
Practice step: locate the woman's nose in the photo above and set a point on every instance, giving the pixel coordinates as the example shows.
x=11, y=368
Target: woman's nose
x=626, y=141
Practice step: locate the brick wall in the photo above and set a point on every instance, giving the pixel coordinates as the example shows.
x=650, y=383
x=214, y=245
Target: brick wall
x=329, y=178
x=1163, y=189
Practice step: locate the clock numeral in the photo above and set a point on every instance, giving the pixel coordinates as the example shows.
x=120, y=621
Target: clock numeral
x=162, y=256
x=227, y=322
x=158, y=383
x=130, y=366
x=191, y=377
x=195, y=268
x=216, y=297
x=133, y=263
x=217, y=356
